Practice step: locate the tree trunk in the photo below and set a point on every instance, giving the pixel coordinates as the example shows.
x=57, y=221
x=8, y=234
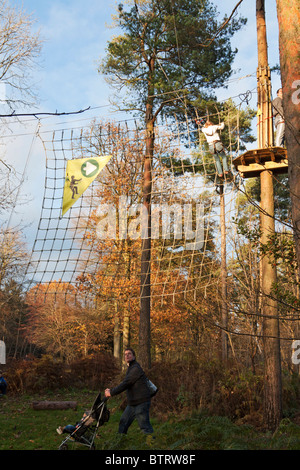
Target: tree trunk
x=265, y=126
x=271, y=334
x=224, y=308
x=126, y=336
x=117, y=334
x=126, y=329
x=145, y=290
x=288, y=13
x=271, y=339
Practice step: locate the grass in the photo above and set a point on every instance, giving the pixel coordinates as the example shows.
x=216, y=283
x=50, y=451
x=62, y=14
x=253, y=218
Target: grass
x=23, y=428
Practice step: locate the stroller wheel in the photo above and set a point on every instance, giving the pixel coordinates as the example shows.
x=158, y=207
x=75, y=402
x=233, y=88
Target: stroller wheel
x=63, y=447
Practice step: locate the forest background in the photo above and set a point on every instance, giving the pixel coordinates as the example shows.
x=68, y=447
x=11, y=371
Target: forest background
x=51, y=342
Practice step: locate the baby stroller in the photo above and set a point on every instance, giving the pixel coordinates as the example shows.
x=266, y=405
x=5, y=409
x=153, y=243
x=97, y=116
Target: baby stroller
x=85, y=431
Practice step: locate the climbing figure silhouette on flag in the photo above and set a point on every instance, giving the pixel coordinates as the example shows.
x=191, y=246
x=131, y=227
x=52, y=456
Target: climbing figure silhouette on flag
x=80, y=173
x=73, y=186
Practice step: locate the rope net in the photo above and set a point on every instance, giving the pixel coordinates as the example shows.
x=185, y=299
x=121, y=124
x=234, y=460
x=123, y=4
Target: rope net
x=92, y=253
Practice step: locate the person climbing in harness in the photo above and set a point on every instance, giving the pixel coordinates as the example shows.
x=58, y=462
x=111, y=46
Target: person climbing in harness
x=215, y=145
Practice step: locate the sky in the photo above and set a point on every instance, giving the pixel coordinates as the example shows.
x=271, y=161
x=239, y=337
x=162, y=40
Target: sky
x=75, y=34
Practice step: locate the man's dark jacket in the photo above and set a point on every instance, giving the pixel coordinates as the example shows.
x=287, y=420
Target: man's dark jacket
x=135, y=384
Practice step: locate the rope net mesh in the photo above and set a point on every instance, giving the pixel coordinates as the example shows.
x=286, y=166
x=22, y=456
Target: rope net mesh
x=93, y=252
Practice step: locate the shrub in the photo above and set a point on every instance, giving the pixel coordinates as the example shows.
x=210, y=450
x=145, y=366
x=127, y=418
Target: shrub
x=184, y=387
x=41, y=374
x=208, y=386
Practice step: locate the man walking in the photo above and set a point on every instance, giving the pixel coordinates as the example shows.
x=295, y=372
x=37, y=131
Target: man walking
x=138, y=396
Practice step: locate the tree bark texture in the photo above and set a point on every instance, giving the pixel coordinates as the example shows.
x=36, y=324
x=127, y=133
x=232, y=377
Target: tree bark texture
x=224, y=308
x=271, y=338
x=271, y=334
x=145, y=290
x=288, y=13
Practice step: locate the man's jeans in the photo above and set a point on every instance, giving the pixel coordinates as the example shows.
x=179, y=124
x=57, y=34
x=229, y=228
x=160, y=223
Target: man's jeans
x=218, y=152
x=141, y=413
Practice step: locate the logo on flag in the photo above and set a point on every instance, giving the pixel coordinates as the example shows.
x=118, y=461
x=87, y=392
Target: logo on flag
x=80, y=173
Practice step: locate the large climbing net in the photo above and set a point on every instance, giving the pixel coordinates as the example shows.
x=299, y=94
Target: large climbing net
x=94, y=249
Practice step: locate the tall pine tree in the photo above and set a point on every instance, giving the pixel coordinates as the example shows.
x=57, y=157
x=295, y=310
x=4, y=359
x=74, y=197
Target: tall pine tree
x=170, y=57
x=289, y=45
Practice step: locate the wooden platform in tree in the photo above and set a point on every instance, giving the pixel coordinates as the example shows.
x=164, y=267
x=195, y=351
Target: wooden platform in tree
x=251, y=163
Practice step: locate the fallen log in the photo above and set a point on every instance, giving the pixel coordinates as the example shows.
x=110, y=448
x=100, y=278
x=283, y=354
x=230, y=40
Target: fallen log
x=54, y=405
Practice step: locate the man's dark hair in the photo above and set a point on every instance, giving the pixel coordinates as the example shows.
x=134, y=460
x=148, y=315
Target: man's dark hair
x=130, y=349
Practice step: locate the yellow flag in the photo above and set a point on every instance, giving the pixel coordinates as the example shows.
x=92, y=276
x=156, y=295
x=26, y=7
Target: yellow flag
x=80, y=173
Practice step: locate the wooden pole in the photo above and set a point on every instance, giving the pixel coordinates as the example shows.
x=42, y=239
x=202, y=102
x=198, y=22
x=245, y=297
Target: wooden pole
x=272, y=360
x=264, y=106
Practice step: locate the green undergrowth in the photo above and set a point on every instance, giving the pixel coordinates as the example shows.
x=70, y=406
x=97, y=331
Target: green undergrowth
x=23, y=428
